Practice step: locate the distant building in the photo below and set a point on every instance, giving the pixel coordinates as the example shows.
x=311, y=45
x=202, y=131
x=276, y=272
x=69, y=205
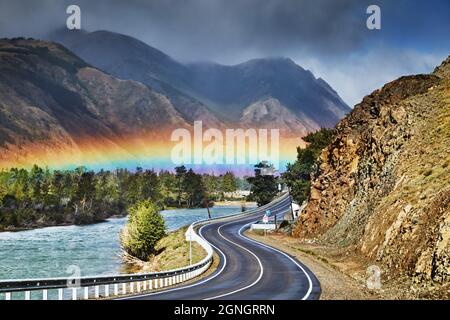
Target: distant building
x=238, y=194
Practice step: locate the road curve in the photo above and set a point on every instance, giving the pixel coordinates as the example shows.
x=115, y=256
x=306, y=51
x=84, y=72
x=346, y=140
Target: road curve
x=248, y=270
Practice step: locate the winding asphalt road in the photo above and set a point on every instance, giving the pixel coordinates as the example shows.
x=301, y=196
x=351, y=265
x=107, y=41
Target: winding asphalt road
x=248, y=270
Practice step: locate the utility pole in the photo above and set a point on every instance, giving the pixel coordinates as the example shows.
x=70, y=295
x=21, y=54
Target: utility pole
x=190, y=246
x=206, y=204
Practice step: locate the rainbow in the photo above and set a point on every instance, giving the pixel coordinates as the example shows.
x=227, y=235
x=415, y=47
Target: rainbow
x=148, y=151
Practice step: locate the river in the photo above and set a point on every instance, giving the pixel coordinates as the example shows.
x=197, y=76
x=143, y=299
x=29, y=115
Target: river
x=94, y=249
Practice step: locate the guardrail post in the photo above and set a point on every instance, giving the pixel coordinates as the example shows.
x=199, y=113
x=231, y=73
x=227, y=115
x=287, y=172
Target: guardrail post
x=106, y=290
x=8, y=296
x=131, y=287
x=27, y=295
x=144, y=284
x=116, y=289
x=74, y=293
x=124, y=288
x=97, y=292
x=150, y=284
x=138, y=286
x=44, y=294
x=156, y=283
x=161, y=283
x=86, y=293
x=60, y=294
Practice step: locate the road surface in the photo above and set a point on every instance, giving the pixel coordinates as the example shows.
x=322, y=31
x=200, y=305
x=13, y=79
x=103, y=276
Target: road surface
x=248, y=270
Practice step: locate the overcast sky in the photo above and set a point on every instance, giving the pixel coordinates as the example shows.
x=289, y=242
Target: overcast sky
x=329, y=37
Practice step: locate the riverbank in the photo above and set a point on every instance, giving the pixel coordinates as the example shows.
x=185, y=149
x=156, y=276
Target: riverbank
x=45, y=223
x=172, y=253
x=63, y=220
x=247, y=204
x=95, y=248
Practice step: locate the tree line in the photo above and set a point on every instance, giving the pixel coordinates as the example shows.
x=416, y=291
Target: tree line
x=298, y=174
x=41, y=197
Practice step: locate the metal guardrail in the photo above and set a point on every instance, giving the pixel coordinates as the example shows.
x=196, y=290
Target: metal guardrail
x=125, y=283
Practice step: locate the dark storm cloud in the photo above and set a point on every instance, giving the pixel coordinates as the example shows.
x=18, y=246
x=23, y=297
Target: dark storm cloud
x=329, y=37
x=198, y=29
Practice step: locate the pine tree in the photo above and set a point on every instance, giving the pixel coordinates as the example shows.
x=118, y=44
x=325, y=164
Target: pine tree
x=145, y=228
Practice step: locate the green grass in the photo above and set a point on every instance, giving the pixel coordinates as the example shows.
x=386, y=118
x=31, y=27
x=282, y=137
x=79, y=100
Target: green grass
x=174, y=251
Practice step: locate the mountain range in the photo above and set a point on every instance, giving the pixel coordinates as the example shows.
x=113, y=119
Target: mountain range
x=54, y=105
x=102, y=98
x=256, y=93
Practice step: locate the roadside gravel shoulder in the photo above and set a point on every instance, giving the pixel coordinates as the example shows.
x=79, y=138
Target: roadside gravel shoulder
x=335, y=284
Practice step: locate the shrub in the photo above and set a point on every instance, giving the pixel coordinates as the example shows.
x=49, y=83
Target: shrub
x=284, y=224
x=144, y=229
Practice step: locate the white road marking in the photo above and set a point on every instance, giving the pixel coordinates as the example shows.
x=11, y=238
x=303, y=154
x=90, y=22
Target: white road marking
x=191, y=285
x=290, y=258
x=238, y=245
x=260, y=264
x=259, y=261
x=225, y=263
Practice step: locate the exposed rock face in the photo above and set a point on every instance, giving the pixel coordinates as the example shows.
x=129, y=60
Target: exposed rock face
x=382, y=186
x=271, y=114
x=232, y=89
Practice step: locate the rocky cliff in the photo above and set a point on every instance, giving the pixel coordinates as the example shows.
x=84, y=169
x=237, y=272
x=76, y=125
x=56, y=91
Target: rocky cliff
x=381, y=188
